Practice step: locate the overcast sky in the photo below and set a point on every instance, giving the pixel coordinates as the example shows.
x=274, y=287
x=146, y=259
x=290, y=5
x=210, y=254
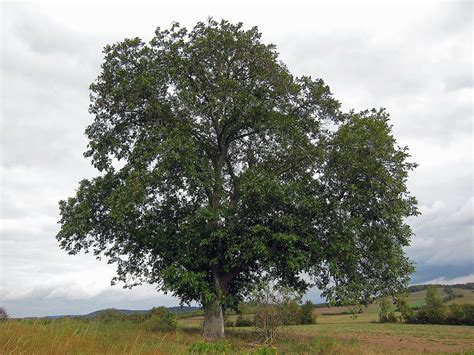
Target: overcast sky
x=415, y=60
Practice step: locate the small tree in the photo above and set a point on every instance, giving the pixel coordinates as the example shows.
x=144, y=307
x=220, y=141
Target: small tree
x=433, y=301
x=385, y=314
x=291, y=312
x=161, y=319
x=434, y=311
x=307, y=313
x=406, y=312
x=271, y=308
x=384, y=304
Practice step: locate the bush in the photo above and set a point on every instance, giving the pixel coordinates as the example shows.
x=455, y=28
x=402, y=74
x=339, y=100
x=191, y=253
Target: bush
x=272, y=303
x=229, y=323
x=307, y=316
x=161, y=319
x=290, y=312
x=435, y=311
x=138, y=317
x=450, y=294
x=432, y=299
x=461, y=314
x=428, y=315
x=267, y=319
x=243, y=322
x=406, y=312
x=111, y=314
x=3, y=314
x=385, y=315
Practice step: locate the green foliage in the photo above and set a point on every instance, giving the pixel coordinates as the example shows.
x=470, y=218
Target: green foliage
x=450, y=294
x=265, y=350
x=203, y=347
x=465, y=286
x=307, y=313
x=161, y=319
x=229, y=323
x=138, y=317
x=385, y=315
x=291, y=312
x=432, y=299
x=460, y=314
x=111, y=314
x=402, y=306
x=274, y=304
x=434, y=311
x=230, y=168
x=242, y=321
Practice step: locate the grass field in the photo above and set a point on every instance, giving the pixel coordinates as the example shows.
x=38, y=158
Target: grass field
x=335, y=333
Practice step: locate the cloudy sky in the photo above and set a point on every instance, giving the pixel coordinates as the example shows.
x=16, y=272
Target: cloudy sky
x=415, y=60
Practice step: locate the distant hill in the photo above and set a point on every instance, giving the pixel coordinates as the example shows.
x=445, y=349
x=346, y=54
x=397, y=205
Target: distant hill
x=416, y=288
x=176, y=309
x=418, y=294
x=416, y=299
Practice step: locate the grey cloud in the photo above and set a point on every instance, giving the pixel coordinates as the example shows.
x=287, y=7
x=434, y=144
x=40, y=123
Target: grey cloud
x=418, y=66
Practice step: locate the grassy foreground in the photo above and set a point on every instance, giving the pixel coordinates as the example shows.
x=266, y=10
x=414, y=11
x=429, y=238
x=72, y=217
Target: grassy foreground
x=335, y=334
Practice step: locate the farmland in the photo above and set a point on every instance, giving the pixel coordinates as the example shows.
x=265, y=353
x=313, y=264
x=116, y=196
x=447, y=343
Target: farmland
x=336, y=331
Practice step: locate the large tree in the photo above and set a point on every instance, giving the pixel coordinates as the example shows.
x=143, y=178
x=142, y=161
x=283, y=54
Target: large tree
x=219, y=167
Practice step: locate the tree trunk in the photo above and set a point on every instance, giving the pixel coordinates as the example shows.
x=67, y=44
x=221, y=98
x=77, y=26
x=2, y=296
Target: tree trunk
x=213, y=320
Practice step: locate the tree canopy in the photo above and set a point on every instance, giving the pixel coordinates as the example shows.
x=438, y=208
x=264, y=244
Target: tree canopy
x=219, y=167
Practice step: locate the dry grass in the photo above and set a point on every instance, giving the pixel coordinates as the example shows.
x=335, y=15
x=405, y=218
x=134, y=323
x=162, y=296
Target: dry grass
x=335, y=333
x=122, y=337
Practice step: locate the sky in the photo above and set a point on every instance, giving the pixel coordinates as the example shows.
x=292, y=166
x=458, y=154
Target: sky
x=416, y=60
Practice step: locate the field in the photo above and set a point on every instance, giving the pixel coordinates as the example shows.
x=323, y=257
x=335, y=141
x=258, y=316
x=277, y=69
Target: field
x=335, y=333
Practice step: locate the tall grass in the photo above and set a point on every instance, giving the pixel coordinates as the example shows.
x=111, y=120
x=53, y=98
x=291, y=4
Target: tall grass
x=344, y=336
x=72, y=336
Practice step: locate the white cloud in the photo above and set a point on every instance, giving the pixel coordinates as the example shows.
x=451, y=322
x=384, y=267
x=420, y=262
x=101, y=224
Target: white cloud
x=412, y=59
x=456, y=280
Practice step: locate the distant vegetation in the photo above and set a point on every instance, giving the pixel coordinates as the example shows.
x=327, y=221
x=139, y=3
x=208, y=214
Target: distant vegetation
x=434, y=311
x=466, y=286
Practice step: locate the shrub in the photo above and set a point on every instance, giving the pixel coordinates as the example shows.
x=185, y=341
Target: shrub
x=138, y=317
x=268, y=318
x=229, y=323
x=406, y=312
x=307, y=316
x=432, y=299
x=270, y=301
x=450, y=294
x=243, y=322
x=111, y=314
x=428, y=315
x=434, y=312
x=160, y=319
x=461, y=314
x=385, y=315
x=3, y=314
x=290, y=313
